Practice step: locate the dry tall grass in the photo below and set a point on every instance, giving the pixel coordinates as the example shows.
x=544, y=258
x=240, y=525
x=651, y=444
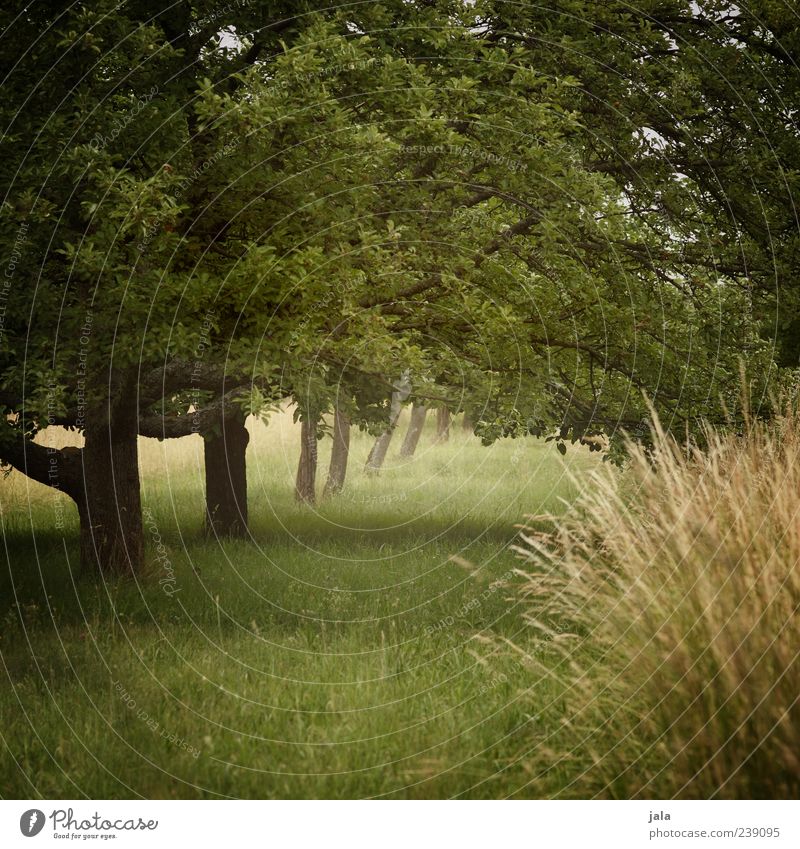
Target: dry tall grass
x=680, y=583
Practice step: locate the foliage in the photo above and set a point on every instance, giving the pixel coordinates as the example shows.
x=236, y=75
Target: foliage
x=355, y=200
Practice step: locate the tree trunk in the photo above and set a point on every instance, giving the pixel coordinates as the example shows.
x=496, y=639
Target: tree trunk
x=225, y=454
x=466, y=423
x=340, y=453
x=110, y=506
x=304, y=488
x=378, y=453
x=418, y=415
x=442, y=424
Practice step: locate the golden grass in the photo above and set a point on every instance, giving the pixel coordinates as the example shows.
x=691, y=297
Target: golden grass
x=670, y=599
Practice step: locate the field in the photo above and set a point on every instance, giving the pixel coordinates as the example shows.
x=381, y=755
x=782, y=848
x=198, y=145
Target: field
x=341, y=652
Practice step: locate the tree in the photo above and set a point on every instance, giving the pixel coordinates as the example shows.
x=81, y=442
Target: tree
x=443, y=424
x=416, y=423
x=377, y=455
x=69, y=352
x=340, y=452
x=224, y=452
x=304, y=490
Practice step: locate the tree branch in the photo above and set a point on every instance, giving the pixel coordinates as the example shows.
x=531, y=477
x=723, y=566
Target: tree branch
x=58, y=468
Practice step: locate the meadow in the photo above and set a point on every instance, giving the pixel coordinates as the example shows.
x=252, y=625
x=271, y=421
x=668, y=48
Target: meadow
x=347, y=650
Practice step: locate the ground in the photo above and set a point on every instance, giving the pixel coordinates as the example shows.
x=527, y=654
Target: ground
x=340, y=652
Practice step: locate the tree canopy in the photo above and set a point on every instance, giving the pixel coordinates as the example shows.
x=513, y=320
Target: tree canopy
x=549, y=219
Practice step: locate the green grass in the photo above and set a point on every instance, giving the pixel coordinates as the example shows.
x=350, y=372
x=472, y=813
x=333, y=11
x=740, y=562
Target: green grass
x=340, y=653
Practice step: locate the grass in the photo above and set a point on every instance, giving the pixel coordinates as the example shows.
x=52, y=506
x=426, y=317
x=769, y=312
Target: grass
x=339, y=653
x=667, y=611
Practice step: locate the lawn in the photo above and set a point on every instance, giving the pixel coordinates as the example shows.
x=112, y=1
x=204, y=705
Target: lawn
x=341, y=652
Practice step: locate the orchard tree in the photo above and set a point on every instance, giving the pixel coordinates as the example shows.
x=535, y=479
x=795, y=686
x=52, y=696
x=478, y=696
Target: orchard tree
x=71, y=343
